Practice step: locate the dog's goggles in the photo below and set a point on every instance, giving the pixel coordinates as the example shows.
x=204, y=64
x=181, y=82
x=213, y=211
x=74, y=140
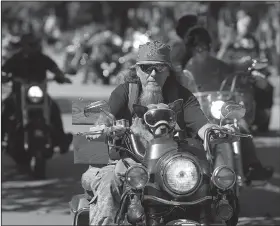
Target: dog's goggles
x=155, y=117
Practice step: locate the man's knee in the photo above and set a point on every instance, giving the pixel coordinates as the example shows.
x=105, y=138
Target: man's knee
x=121, y=168
x=88, y=177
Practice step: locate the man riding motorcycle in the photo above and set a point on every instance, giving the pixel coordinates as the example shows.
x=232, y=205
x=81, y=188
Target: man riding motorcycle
x=241, y=45
x=179, y=53
x=154, y=82
x=208, y=73
x=30, y=63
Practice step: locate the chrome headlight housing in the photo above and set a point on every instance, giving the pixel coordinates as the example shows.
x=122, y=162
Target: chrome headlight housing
x=215, y=108
x=137, y=177
x=224, y=177
x=35, y=94
x=181, y=175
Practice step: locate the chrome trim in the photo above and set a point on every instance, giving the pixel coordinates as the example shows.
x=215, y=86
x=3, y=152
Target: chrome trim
x=77, y=213
x=137, y=166
x=176, y=203
x=215, y=173
x=167, y=161
x=185, y=222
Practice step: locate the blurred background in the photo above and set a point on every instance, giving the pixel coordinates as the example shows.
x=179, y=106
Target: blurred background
x=102, y=29
x=93, y=42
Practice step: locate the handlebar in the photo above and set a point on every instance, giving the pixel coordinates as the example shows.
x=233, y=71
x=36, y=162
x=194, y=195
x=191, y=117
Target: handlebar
x=118, y=131
x=251, y=71
x=228, y=132
x=220, y=135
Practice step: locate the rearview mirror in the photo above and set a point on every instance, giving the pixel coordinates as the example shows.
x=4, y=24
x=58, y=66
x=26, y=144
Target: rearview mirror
x=97, y=108
x=259, y=64
x=232, y=110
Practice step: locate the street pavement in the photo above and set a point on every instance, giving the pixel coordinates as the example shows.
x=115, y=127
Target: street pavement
x=28, y=202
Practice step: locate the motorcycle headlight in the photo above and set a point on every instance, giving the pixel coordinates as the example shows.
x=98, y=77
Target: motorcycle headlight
x=137, y=176
x=35, y=94
x=71, y=49
x=224, y=177
x=216, y=107
x=181, y=175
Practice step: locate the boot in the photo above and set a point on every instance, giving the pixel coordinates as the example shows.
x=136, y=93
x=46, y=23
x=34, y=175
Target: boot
x=257, y=172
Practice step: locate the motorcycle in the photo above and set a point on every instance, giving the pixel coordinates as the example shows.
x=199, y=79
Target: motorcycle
x=241, y=91
x=29, y=133
x=169, y=184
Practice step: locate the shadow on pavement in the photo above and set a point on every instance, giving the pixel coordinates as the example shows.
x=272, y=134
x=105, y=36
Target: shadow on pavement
x=263, y=200
x=22, y=194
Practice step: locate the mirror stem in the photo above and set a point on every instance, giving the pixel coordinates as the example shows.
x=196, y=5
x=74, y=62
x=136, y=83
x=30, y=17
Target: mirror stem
x=109, y=115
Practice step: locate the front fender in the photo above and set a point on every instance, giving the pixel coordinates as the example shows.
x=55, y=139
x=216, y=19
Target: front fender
x=79, y=206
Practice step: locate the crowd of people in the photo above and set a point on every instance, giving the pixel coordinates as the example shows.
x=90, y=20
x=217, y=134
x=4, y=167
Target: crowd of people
x=159, y=24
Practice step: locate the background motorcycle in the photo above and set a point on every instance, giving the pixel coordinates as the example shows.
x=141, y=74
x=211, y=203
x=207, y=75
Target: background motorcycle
x=170, y=184
x=29, y=133
x=241, y=91
x=108, y=69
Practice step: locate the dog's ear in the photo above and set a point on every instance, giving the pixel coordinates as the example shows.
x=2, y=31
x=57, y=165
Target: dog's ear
x=139, y=110
x=177, y=105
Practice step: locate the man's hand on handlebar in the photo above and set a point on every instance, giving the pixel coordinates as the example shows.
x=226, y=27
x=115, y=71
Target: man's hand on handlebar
x=99, y=129
x=115, y=132
x=223, y=134
x=62, y=79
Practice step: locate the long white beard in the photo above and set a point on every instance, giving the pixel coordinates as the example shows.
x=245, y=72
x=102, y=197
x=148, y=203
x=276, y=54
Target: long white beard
x=151, y=95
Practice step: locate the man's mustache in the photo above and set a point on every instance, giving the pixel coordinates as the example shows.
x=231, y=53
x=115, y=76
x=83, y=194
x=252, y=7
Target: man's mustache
x=152, y=82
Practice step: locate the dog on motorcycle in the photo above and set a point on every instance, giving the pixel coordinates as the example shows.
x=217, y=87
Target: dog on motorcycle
x=151, y=81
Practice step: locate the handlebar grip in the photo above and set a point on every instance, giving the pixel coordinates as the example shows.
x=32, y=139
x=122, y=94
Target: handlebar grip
x=216, y=138
x=236, y=134
x=90, y=133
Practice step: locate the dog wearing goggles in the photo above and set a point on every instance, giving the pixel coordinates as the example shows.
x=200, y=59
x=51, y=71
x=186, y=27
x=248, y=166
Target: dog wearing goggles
x=155, y=120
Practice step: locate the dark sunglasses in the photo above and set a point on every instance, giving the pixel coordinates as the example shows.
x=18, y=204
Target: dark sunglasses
x=148, y=68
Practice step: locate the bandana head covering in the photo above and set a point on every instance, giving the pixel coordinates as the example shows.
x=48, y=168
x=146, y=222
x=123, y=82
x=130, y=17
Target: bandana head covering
x=154, y=52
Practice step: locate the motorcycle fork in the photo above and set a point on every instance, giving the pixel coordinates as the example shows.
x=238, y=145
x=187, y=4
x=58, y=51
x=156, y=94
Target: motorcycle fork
x=236, y=146
x=24, y=116
x=152, y=218
x=25, y=107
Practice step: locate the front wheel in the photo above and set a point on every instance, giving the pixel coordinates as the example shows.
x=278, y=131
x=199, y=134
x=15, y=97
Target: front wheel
x=39, y=166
